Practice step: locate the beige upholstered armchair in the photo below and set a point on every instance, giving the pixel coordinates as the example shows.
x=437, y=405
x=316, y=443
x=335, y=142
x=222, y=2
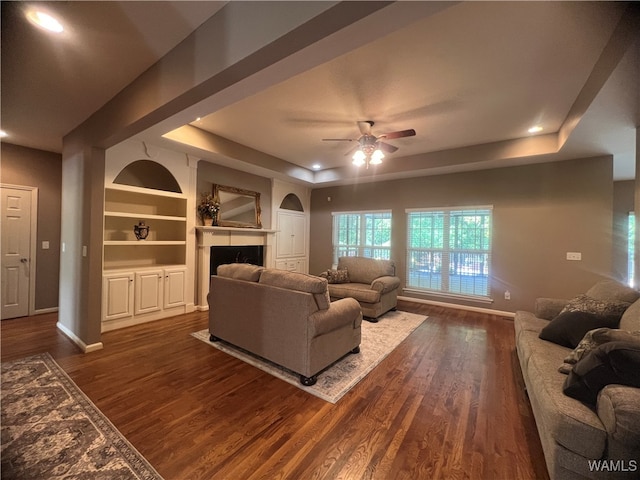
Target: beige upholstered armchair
x=372, y=282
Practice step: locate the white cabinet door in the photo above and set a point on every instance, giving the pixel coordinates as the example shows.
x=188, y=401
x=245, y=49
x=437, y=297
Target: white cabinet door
x=298, y=237
x=283, y=236
x=117, y=296
x=174, y=287
x=291, y=239
x=148, y=296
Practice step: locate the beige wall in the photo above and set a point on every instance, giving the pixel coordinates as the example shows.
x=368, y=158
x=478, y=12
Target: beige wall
x=37, y=168
x=540, y=212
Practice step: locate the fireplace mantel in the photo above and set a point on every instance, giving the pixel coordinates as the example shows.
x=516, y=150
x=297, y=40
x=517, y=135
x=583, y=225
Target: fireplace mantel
x=216, y=236
x=226, y=236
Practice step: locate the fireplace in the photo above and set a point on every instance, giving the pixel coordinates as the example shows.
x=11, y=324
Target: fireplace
x=221, y=255
x=218, y=245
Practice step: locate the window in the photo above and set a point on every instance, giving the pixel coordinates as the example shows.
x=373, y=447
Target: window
x=363, y=234
x=631, y=239
x=449, y=250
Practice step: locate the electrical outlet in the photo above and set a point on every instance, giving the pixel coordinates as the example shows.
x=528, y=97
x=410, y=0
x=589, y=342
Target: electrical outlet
x=575, y=256
x=507, y=295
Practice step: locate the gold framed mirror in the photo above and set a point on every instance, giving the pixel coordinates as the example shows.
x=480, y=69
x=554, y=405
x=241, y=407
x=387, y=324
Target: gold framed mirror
x=238, y=207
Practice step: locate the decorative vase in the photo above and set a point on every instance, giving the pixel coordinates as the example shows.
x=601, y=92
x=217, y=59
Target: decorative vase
x=208, y=222
x=141, y=230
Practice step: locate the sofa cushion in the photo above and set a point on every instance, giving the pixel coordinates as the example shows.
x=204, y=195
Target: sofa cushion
x=592, y=340
x=631, y=318
x=366, y=270
x=612, y=291
x=549, y=308
x=360, y=291
x=240, y=271
x=572, y=424
x=611, y=363
x=300, y=282
x=569, y=328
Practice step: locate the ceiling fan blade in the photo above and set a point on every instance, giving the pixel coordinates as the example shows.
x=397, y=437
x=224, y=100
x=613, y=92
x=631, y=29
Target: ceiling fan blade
x=337, y=139
x=386, y=147
x=402, y=133
x=365, y=127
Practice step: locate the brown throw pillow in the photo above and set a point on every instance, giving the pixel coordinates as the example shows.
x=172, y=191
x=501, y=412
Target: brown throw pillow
x=337, y=276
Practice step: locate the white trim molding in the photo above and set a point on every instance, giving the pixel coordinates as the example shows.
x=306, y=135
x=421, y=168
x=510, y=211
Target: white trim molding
x=458, y=307
x=74, y=338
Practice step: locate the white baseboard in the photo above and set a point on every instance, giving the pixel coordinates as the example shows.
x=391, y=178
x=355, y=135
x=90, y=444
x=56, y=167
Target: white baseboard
x=40, y=311
x=74, y=338
x=459, y=307
x=202, y=308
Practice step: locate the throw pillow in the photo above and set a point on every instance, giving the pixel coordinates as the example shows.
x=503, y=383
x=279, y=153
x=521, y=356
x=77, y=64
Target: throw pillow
x=338, y=276
x=585, y=303
x=592, y=340
x=613, y=362
x=568, y=328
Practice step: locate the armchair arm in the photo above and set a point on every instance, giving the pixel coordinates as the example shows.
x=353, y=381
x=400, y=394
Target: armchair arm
x=385, y=284
x=549, y=308
x=619, y=410
x=345, y=311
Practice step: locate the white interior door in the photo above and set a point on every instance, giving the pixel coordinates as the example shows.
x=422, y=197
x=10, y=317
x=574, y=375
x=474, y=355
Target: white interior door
x=16, y=251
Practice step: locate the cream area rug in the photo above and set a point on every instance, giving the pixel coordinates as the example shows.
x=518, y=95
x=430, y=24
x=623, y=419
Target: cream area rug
x=378, y=341
x=51, y=430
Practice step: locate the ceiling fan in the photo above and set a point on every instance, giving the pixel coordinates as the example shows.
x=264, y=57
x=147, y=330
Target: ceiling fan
x=370, y=148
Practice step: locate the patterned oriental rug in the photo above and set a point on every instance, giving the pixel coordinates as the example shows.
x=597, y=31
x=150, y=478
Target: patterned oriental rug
x=51, y=430
x=378, y=341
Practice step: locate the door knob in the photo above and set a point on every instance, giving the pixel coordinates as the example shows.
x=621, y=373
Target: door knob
x=23, y=260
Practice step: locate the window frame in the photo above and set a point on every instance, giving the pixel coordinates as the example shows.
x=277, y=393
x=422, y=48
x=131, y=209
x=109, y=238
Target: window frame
x=631, y=247
x=444, y=251
x=359, y=248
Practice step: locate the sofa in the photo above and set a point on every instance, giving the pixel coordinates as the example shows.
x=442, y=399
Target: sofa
x=284, y=317
x=595, y=432
x=372, y=282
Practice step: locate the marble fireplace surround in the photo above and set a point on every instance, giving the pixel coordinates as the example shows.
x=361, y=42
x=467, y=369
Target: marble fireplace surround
x=208, y=237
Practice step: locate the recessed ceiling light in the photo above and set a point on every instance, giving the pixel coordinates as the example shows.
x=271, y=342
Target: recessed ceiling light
x=535, y=129
x=44, y=20
x=316, y=166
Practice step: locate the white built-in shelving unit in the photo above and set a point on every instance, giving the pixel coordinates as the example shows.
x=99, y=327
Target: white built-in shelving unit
x=148, y=279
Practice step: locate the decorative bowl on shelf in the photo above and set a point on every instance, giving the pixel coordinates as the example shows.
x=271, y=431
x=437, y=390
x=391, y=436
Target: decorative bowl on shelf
x=141, y=230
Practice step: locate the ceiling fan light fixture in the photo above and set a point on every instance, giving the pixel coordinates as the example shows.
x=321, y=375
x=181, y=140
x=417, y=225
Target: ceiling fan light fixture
x=376, y=157
x=358, y=158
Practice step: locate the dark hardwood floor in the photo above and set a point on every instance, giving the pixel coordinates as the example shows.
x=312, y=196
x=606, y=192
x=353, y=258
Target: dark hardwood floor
x=448, y=403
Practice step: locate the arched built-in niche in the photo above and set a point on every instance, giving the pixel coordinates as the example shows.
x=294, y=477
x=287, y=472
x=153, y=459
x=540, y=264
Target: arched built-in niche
x=148, y=174
x=292, y=202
